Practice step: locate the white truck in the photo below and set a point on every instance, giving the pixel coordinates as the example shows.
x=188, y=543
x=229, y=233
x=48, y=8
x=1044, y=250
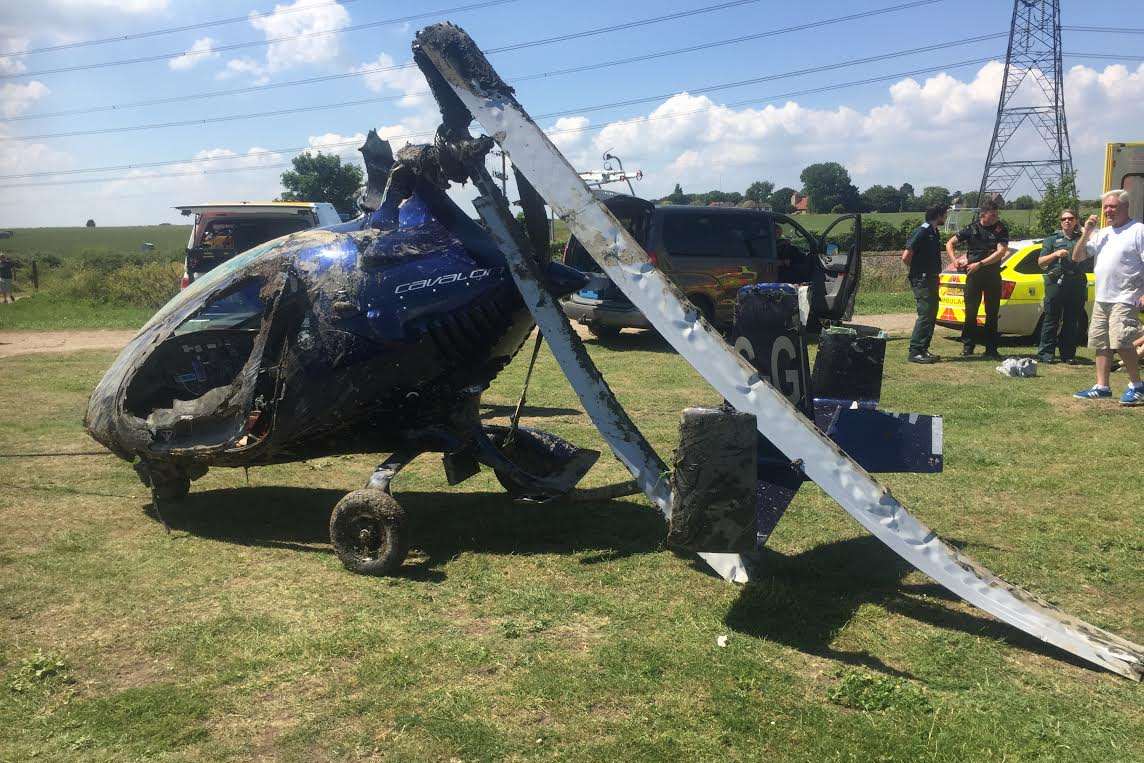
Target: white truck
x=222, y=230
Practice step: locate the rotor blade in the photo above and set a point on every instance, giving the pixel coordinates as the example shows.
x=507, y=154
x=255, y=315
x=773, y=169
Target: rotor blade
x=467, y=72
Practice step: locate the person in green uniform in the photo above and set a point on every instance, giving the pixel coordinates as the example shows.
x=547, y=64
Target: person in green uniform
x=922, y=256
x=1064, y=323
x=987, y=242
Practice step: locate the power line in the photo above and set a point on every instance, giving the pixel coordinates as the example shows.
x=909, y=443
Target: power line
x=378, y=69
x=169, y=30
x=598, y=107
x=358, y=27
x=757, y=99
x=1109, y=29
x=259, y=43
x=340, y=104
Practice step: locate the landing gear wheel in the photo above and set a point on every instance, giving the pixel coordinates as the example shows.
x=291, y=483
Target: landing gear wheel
x=368, y=532
x=601, y=331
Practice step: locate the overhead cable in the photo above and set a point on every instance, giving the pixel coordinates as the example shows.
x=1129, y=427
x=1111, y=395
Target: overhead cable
x=367, y=70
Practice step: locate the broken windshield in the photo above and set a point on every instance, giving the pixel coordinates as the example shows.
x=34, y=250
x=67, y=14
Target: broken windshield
x=239, y=309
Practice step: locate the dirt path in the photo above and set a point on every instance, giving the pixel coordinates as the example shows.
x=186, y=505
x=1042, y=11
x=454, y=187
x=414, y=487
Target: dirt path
x=26, y=342
x=894, y=323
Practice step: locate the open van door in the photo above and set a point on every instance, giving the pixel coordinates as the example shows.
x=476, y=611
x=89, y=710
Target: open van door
x=840, y=250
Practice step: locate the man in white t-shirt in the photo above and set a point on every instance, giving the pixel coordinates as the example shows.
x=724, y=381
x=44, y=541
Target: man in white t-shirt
x=1119, y=268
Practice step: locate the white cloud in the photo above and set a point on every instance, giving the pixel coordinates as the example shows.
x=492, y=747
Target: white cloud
x=18, y=157
x=333, y=143
x=15, y=45
x=288, y=20
x=15, y=98
x=932, y=132
x=202, y=50
x=58, y=21
x=240, y=66
x=384, y=74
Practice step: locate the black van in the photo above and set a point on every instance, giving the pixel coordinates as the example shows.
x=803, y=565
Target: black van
x=711, y=252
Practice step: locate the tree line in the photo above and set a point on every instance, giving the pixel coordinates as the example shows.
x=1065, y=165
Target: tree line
x=828, y=188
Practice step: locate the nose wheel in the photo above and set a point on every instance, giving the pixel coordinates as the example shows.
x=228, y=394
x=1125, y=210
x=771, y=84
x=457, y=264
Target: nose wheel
x=368, y=532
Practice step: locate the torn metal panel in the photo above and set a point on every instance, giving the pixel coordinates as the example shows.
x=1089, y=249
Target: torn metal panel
x=460, y=64
x=609, y=417
x=713, y=482
x=849, y=364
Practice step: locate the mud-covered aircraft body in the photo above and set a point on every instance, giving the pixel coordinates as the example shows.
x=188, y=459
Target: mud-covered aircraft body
x=379, y=336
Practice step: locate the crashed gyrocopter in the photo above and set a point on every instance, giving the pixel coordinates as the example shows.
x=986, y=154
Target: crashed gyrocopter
x=379, y=335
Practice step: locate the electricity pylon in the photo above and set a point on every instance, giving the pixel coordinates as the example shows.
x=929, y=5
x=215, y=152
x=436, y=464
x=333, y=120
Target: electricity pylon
x=1034, y=55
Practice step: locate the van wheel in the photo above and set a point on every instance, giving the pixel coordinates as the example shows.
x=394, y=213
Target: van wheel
x=601, y=331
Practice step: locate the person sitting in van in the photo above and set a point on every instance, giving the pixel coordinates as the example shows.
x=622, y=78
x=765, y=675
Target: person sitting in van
x=799, y=267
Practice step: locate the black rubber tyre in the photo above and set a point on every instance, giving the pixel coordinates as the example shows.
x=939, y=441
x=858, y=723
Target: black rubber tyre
x=601, y=331
x=368, y=532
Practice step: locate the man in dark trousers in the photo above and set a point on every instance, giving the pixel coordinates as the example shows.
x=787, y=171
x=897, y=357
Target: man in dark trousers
x=923, y=257
x=1064, y=323
x=987, y=241
x=6, y=268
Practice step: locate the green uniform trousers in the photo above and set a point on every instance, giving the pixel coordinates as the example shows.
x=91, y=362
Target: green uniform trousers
x=1064, y=323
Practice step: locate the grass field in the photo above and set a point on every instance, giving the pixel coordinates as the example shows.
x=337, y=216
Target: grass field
x=69, y=243
x=563, y=631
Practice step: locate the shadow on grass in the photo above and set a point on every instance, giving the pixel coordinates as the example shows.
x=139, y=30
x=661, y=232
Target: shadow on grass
x=804, y=601
x=442, y=525
x=647, y=340
x=801, y=601
x=489, y=410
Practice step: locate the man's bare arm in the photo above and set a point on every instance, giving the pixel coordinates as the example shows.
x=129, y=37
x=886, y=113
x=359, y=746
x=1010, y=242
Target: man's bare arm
x=1045, y=260
x=950, y=251
x=907, y=256
x=998, y=255
x=1080, y=251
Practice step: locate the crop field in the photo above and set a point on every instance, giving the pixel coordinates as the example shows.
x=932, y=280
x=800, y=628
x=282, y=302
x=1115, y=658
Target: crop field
x=563, y=631
x=72, y=243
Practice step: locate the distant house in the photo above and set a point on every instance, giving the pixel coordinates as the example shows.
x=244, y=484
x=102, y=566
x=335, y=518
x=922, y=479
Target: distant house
x=800, y=203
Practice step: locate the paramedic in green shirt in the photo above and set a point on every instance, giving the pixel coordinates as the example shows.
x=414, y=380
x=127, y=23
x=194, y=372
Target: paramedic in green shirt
x=923, y=257
x=1064, y=324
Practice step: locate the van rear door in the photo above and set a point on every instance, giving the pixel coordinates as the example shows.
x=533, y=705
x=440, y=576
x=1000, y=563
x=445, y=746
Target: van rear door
x=635, y=215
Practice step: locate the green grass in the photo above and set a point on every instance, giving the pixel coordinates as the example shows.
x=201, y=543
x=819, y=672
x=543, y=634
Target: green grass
x=45, y=311
x=564, y=631
x=69, y=243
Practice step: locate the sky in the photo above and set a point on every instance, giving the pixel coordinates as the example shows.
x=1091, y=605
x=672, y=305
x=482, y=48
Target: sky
x=718, y=117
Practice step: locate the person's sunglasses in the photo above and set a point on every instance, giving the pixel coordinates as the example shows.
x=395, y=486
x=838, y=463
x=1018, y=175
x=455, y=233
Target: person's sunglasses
x=1066, y=219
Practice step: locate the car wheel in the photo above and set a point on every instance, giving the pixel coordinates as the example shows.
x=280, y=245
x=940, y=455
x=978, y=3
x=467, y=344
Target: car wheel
x=368, y=532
